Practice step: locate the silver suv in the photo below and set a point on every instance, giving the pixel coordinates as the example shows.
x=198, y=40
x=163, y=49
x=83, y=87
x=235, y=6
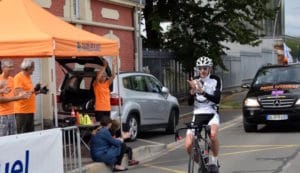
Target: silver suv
x=144, y=102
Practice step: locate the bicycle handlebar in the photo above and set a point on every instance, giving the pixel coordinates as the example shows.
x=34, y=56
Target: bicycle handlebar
x=191, y=125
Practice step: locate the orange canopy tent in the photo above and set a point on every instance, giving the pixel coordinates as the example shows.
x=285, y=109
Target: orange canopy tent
x=27, y=30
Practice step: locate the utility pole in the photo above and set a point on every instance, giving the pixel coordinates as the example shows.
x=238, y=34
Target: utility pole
x=282, y=19
x=140, y=46
x=281, y=5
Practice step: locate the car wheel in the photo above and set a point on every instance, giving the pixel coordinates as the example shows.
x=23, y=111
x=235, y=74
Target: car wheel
x=133, y=126
x=172, y=122
x=89, y=105
x=249, y=127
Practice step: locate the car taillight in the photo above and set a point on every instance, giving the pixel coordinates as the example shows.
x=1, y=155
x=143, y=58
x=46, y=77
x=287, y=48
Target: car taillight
x=58, y=98
x=114, y=101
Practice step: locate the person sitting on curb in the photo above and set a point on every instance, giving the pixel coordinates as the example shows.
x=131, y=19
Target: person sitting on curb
x=115, y=130
x=105, y=148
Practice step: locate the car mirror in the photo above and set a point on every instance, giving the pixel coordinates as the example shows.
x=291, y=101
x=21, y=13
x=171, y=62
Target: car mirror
x=245, y=86
x=164, y=90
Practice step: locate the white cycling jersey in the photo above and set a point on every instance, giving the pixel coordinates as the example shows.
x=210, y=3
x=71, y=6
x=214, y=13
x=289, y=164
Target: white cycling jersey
x=207, y=103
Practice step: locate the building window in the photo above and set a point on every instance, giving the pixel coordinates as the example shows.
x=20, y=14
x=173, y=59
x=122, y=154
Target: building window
x=76, y=14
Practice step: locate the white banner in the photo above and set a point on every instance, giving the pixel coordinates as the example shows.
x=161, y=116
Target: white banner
x=36, y=152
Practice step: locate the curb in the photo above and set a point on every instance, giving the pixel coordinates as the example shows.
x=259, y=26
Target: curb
x=94, y=167
x=146, y=152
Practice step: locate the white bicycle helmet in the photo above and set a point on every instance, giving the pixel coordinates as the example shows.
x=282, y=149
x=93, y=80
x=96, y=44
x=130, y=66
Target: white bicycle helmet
x=204, y=61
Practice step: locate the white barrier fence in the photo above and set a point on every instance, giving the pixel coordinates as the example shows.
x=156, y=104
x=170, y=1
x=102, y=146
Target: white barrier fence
x=72, y=149
x=48, y=151
x=35, y=152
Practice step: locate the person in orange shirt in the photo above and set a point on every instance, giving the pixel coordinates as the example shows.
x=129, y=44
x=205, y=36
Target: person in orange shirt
x=7, y=98
x=25, y=109
x=102, y=91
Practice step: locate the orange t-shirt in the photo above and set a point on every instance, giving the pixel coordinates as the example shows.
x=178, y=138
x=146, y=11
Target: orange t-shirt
x=25, y=83
x=102, y=96
x=7, y=108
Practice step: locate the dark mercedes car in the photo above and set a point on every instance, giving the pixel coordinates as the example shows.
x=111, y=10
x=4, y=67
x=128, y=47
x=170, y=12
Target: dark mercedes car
x=273, y=96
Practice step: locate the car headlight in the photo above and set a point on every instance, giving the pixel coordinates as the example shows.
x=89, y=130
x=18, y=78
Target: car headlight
x=251, y=102
x=298, y=102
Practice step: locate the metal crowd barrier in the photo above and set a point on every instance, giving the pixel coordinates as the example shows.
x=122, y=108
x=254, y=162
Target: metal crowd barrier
x=72, y=149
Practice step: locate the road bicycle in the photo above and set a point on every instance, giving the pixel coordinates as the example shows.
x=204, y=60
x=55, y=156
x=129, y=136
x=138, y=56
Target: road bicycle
x=199, y=156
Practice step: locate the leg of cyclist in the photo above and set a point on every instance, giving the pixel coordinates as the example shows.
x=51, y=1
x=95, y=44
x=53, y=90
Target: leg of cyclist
x=214, y=127
x=189, y=141
x=214, y=143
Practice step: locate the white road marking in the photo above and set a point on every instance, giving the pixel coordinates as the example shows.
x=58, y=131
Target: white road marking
x=183, y=115
x=148, y=141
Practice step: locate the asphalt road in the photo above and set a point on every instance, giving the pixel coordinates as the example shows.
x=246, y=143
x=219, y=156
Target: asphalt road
x=273, y=149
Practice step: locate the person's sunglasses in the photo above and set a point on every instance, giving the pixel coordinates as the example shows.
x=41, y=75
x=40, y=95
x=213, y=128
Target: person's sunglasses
x=203, y=68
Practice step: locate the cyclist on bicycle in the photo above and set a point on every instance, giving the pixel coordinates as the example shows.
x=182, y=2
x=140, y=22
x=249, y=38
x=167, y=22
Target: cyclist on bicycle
x=205, y=94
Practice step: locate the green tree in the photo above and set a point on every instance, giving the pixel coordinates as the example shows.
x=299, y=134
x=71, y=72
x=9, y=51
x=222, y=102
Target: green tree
x=202, y=27
x=155, y=12
x=294, y=44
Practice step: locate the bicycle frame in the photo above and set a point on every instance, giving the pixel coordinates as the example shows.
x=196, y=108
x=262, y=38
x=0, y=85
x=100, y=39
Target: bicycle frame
x=198, y=155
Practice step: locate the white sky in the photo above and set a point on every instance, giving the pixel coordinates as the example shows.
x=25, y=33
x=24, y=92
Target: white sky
x=292, y=17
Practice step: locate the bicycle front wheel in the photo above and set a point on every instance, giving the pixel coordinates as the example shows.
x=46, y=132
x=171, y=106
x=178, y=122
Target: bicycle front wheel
x=195, y=160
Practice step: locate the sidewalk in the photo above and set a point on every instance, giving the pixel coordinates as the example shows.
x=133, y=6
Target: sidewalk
x=232, y=99
x=229, y=100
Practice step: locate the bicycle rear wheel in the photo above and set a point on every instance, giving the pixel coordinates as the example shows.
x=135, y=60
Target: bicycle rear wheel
x=196, y=164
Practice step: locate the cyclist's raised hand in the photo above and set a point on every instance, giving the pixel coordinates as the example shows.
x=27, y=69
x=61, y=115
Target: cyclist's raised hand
x=199, y=86
x=192, y=83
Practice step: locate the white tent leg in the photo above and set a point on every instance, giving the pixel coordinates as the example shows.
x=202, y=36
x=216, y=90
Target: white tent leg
x=53, y=90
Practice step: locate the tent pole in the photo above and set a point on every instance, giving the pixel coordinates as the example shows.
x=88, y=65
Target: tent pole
x=53, y=94
x=118, y=86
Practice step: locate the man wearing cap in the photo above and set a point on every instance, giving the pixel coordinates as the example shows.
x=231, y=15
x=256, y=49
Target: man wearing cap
x=281, y=59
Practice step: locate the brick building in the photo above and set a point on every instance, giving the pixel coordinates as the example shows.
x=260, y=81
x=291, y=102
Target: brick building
x=115, y=19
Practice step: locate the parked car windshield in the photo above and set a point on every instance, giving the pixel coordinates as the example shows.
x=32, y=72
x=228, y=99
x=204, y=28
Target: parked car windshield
x=278, y=75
